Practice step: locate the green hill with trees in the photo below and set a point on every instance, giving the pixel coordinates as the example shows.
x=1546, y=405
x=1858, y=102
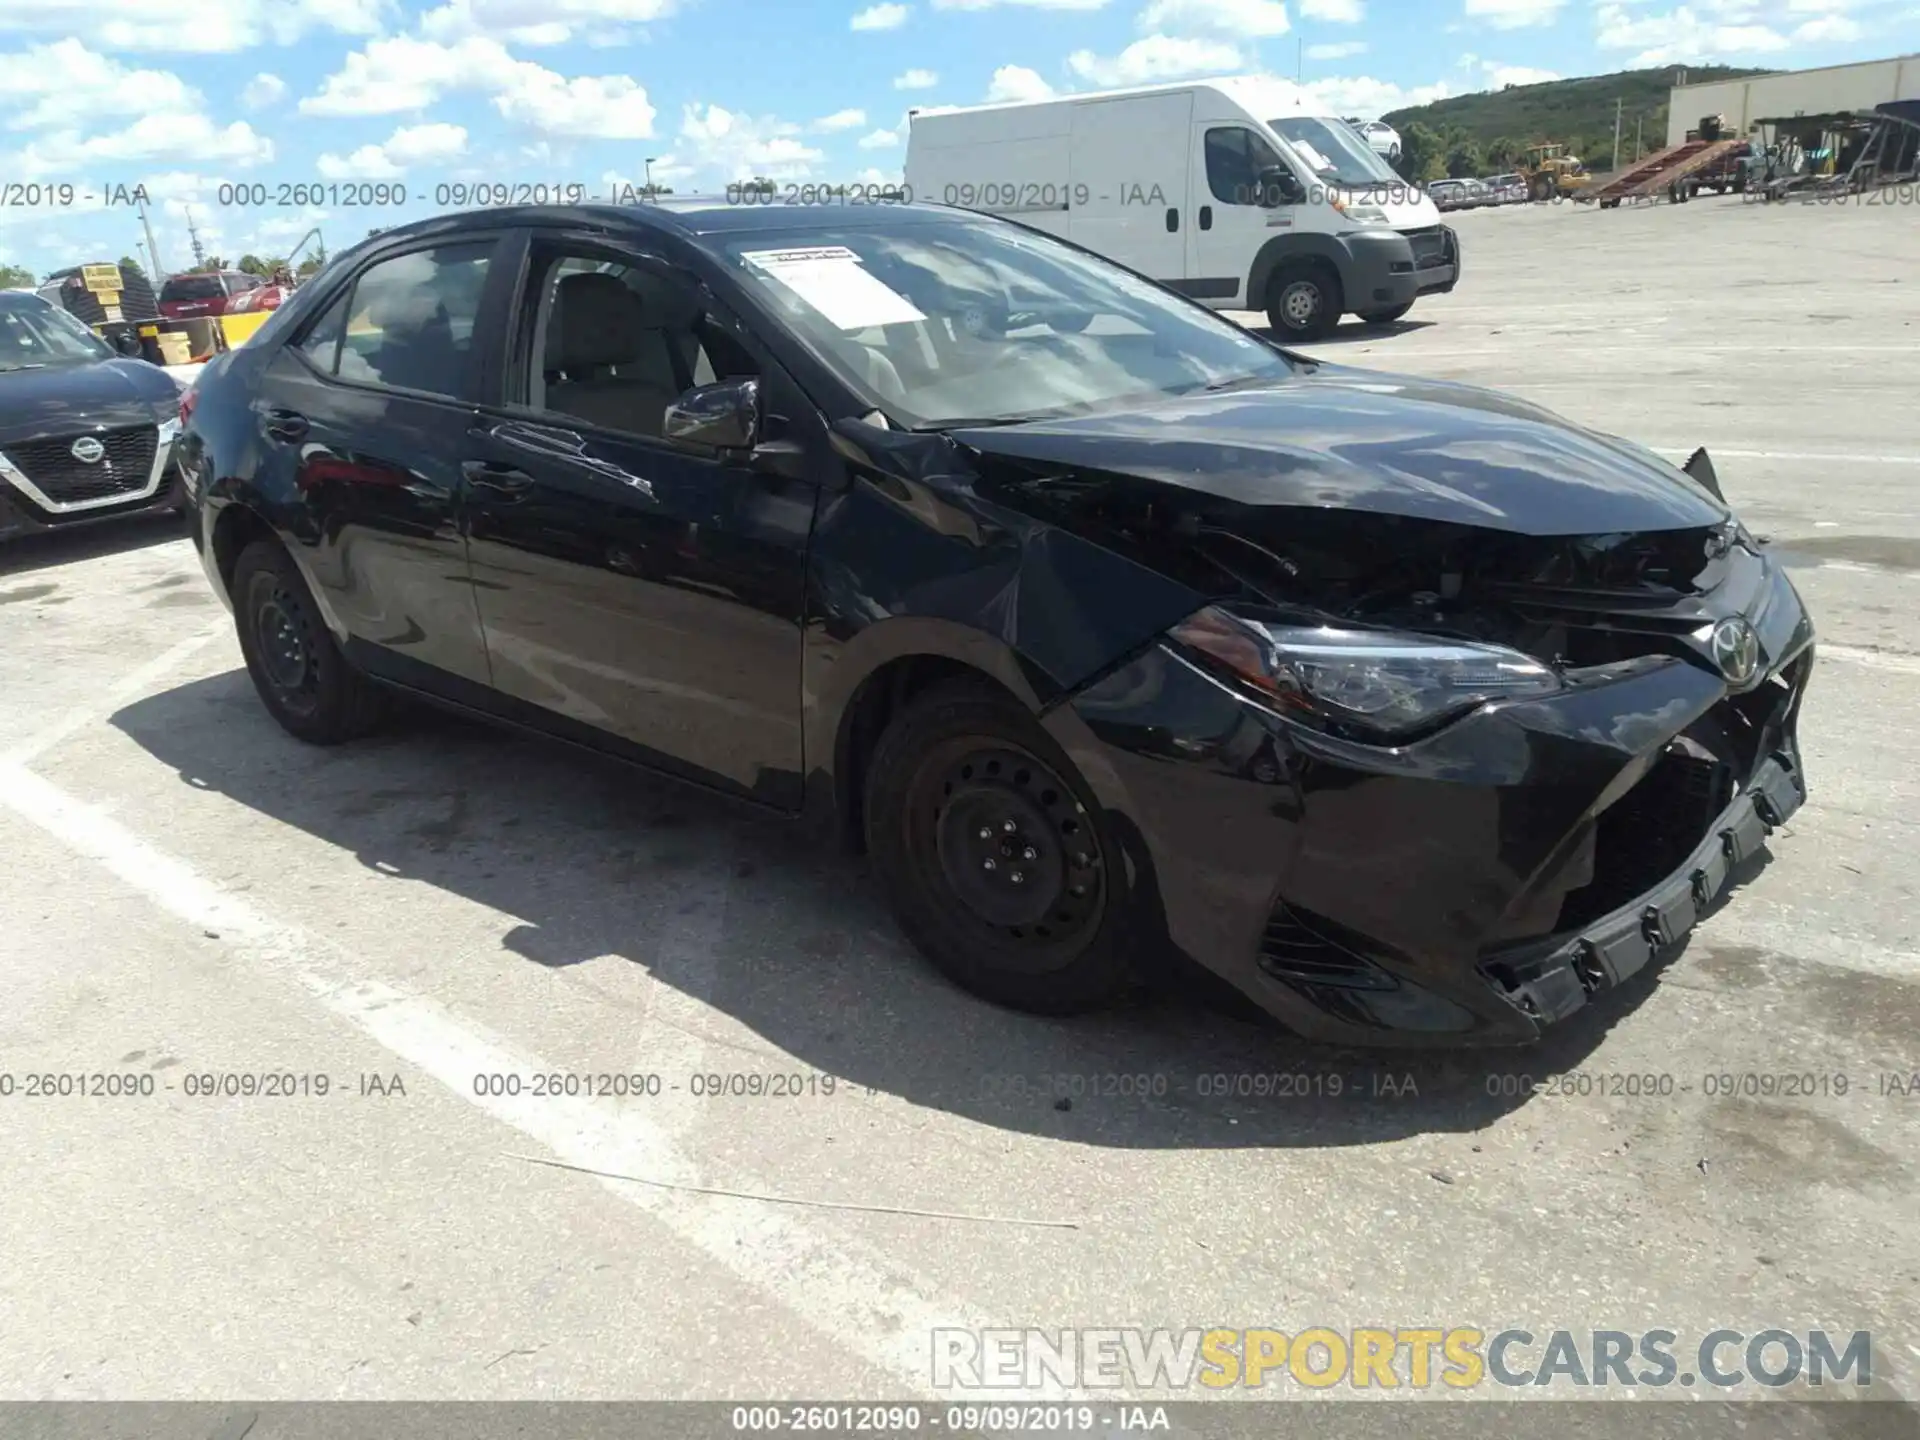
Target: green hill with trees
x=1480, y=134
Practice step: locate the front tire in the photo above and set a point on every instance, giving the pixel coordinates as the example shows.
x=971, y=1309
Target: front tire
x=995, y=858
x=296, y=666
x=1304, y=302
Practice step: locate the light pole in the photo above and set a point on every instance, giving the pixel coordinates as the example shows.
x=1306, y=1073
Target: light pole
x=650, y=160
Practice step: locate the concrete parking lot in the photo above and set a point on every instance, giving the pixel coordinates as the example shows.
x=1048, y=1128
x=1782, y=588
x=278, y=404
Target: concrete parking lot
x=189, y=893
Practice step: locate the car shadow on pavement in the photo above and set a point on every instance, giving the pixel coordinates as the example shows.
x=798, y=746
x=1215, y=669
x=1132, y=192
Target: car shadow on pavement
x=1348, y=332
x=599, y=865
x=28, y=553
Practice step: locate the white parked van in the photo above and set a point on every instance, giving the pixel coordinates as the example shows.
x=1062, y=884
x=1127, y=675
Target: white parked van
x=1243, y=193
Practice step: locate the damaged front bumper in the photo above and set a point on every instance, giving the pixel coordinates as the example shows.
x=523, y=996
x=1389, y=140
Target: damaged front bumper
x=1548, y=981
x=1472, y=888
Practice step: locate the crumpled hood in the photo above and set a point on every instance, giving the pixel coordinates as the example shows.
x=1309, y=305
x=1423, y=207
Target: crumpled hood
x=1346, y=439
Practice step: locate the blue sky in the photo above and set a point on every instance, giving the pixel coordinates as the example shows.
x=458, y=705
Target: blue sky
x=185, y=95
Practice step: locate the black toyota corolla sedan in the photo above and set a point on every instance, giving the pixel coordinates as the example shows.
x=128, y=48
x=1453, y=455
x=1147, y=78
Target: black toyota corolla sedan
x=85, y=432
x=1110, y=630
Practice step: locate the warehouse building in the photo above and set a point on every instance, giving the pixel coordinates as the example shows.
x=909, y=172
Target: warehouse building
x=1793, y=92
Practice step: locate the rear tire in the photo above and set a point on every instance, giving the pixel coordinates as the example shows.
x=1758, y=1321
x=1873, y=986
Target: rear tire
x=297, y=668
x=982, y=832
x=1304, y=301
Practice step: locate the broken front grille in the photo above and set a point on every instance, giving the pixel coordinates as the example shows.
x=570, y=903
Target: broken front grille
x=1429, y=247
x=1651, y=830
x=56, y=473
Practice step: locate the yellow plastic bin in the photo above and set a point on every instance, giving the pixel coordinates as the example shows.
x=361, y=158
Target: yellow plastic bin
x=174, y=349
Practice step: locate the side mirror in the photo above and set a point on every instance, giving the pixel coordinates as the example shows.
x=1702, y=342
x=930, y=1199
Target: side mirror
x=1279, y=186
x=722, y=416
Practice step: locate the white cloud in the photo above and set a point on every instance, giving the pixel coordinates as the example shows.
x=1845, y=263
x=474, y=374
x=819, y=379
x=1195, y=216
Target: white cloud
x=841, y=120
x=1500, y=76
x=1514, y=14
x=180, y=136
x=408, y=146
x=1828, y=30
x=263, y=90
x=880, y=140
x=1337, y=12
x=1365, y=96
x=588, y=107
x=1158, y=57
x=402, y=73
x=916, y=80
x=873, y=175
x=539, y=22
x=879, y=17
x=68, y=84
x=737, y=147
x=1680, y=34
x=189, y=25
x=1336, y=50
x=1017, y=82
x=1253, y=19
x=1034, y=4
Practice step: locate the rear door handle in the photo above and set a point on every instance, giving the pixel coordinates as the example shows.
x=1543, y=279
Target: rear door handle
x=501, y=479
x=289, y=425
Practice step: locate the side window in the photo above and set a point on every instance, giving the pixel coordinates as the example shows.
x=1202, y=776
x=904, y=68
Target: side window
x=1236, y=157
x=321, y=344
x=410, y=320
x=615, y=344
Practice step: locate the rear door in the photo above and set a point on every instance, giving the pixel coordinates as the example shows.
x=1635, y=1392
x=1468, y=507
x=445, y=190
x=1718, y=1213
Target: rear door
x=640, y=594
x=363, y=416
x=1129, y=179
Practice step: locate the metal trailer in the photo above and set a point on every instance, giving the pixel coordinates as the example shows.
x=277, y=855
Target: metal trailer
x=1676, y=172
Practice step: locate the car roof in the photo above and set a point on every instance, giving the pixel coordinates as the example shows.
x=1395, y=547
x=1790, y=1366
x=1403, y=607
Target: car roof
x=690, y=216
x=23, y=299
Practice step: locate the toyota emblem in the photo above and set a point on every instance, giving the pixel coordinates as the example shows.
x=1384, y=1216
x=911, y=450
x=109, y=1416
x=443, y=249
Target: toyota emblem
x=1735, y=649
x=88, y=451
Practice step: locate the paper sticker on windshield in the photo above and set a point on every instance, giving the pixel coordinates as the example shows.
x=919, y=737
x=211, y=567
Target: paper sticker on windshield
x=830, y=279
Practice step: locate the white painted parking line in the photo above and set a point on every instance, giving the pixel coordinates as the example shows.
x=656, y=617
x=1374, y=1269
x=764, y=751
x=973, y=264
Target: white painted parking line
x=866, y=1301
x=1821, y=457
x=136, y=684
x=1895, y=660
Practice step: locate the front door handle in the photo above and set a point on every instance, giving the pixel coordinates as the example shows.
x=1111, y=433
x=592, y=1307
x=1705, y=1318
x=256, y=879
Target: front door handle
x=501, y=479
x=1173, y=219
x=1206, y=217
x=288, y=425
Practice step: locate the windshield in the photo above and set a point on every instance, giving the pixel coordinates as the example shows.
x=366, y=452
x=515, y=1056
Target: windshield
x=972, y=321
x=34, y=339
x=1335, y=152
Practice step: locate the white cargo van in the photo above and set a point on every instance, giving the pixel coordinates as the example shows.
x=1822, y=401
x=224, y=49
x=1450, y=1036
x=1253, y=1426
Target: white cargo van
x=1244, y=193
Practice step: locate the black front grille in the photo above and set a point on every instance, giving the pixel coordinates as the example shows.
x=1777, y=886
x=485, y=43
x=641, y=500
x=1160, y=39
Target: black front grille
x=123, y=470
x=1429, y=247
x=1296, y=948
x=1652, y=830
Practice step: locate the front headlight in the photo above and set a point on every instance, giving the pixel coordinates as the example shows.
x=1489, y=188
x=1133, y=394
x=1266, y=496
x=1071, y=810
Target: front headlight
x=1377, y=683
x=1361, y=214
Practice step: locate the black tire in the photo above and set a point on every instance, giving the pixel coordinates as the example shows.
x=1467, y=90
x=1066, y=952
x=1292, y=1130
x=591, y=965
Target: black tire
x=303, y=679
x=1386, y=317
x=1304, y=301
x=954, y=768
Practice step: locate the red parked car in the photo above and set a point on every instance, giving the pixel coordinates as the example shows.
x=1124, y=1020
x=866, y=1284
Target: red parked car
x=266, y=296
x=205, y=292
